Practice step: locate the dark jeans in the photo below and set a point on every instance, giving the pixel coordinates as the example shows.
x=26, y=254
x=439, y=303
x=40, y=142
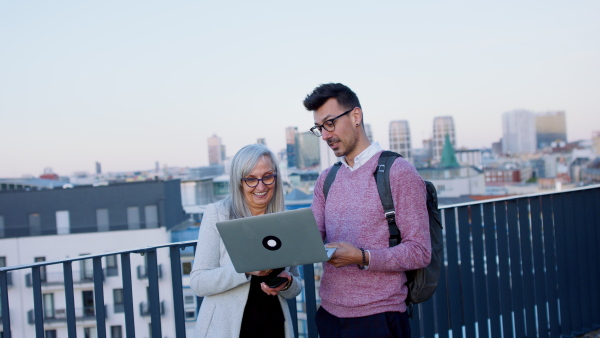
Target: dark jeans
x=380, y=325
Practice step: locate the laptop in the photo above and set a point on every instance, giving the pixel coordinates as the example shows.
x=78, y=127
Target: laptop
x=274, y=240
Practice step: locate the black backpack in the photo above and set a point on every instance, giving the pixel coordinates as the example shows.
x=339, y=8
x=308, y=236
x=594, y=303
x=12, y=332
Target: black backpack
x=422, y=282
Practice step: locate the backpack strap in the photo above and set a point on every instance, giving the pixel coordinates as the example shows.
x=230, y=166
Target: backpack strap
x=382, y=178
x=330, y=178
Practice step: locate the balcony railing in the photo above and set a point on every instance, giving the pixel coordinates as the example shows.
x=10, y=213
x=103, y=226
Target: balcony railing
x=58, y=278
x=514, y=267
x=142, y=271
x=60, y=315
x=146, y=311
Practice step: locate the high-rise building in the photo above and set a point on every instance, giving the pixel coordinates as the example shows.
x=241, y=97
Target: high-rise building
x=216, y=151
x=307, y=150
x=290, y=146
x=518, y=132
x=442, y=126
x=400, y=141
x=551, y=128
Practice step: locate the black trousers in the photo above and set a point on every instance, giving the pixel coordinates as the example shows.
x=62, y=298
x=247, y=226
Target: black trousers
x=380, y=325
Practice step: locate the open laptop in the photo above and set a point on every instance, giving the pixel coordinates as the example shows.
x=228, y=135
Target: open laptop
x=273, y=241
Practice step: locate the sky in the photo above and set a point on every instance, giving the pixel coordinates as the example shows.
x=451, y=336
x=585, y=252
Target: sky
x=132, y=83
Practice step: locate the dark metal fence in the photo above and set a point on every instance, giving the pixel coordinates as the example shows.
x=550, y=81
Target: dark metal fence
x=519, y=267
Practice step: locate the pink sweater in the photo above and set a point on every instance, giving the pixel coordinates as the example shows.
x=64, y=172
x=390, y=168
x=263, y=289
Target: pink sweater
x=353, y=214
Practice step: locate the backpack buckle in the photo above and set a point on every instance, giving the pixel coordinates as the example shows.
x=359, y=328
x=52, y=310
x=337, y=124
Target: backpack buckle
x=381, y=168
x=390, y=215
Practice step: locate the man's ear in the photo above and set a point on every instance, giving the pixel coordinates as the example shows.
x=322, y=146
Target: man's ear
x=357, y=116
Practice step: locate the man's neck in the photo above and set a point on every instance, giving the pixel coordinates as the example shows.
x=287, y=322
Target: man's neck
x=357, y=151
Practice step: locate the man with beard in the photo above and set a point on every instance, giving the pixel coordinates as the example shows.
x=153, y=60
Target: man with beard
x=363, y=289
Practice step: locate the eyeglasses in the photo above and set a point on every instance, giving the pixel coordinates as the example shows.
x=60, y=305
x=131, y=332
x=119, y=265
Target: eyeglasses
x=253, y=182
x=327, y=125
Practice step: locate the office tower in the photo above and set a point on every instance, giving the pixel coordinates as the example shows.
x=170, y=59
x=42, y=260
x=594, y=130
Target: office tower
x=442, y=126
x=550, y=128
x=369, y=132
x=98, y=168
x=307, y=150
x=290, y=146
x=400, y=139
x=518, y=132
x=262, y=141
x=596, y=142
x=216, y=151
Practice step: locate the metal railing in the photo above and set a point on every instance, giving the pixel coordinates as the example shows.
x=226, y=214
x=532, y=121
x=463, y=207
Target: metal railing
x=514, y=267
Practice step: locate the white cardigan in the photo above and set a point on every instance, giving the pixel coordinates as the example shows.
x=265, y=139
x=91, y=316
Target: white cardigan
x=224, y=290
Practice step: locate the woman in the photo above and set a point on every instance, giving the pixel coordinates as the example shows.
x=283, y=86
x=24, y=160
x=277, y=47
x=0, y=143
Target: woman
x=241, y=304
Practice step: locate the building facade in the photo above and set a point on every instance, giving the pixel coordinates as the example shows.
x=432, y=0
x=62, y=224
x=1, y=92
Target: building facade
x=442, y=126
x=54, y=224
x=399, y=138
x=551, y=128
x=519, y=132
x=216, y=151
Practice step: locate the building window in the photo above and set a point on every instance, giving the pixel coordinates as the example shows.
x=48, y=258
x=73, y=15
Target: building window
x=2, y=261
x=116, y=331
x=43, y=276
x=189, y=299
x=102, y=220
x=118, y=300
x=48, y=305
x=190, y=315
x=63, y=224
x=87, y=269
x=2, y=234
x=112, y=269
x=133, y=218
x=35, y=225
x=186, y=268
x=151, y=216
x=87, y=300
x=89, y=332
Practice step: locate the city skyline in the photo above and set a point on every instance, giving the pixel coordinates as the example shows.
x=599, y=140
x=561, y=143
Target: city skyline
x=131, y=84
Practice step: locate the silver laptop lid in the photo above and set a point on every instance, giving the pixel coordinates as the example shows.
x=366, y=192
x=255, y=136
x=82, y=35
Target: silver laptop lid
x=273, y=241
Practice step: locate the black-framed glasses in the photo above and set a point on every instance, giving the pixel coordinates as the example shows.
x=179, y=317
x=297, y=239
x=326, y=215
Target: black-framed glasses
x=327, y=125
x=253, y=182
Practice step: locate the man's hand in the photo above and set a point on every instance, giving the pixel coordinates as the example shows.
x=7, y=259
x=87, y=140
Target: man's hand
x=346, y=254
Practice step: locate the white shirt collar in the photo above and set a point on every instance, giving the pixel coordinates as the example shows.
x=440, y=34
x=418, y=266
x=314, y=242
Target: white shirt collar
x=363, y=157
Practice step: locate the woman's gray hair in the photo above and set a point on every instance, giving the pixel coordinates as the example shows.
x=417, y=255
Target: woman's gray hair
x=241, y=166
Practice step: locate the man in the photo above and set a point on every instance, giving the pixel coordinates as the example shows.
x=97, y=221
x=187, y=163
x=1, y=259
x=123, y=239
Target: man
x=362, y=287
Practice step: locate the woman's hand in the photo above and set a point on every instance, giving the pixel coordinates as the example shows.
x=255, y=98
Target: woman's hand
x=274, y=291
x=260, y=273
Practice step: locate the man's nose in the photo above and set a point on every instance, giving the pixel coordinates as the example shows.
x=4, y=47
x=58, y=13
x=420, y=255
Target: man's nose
x=325, y=134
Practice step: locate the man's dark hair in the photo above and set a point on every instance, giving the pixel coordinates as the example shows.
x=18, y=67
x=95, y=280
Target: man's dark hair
x=345, y=97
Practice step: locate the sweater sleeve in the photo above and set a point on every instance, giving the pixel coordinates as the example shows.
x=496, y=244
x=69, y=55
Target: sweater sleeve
x=209, y=276
x=409, y=195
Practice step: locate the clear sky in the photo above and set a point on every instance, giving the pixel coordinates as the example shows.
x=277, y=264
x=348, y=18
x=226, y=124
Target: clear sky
x=129, y=83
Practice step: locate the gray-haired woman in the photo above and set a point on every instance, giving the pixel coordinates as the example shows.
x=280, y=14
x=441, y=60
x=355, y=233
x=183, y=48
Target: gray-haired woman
x=241, y=304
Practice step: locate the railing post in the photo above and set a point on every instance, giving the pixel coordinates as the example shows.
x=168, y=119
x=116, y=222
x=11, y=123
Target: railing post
x=175, y=253
x=127, y=295
x=99, y=298
x=4, y=304
x=69, y=299
x=154, y=296
x=311, y=299
x=38, y=305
